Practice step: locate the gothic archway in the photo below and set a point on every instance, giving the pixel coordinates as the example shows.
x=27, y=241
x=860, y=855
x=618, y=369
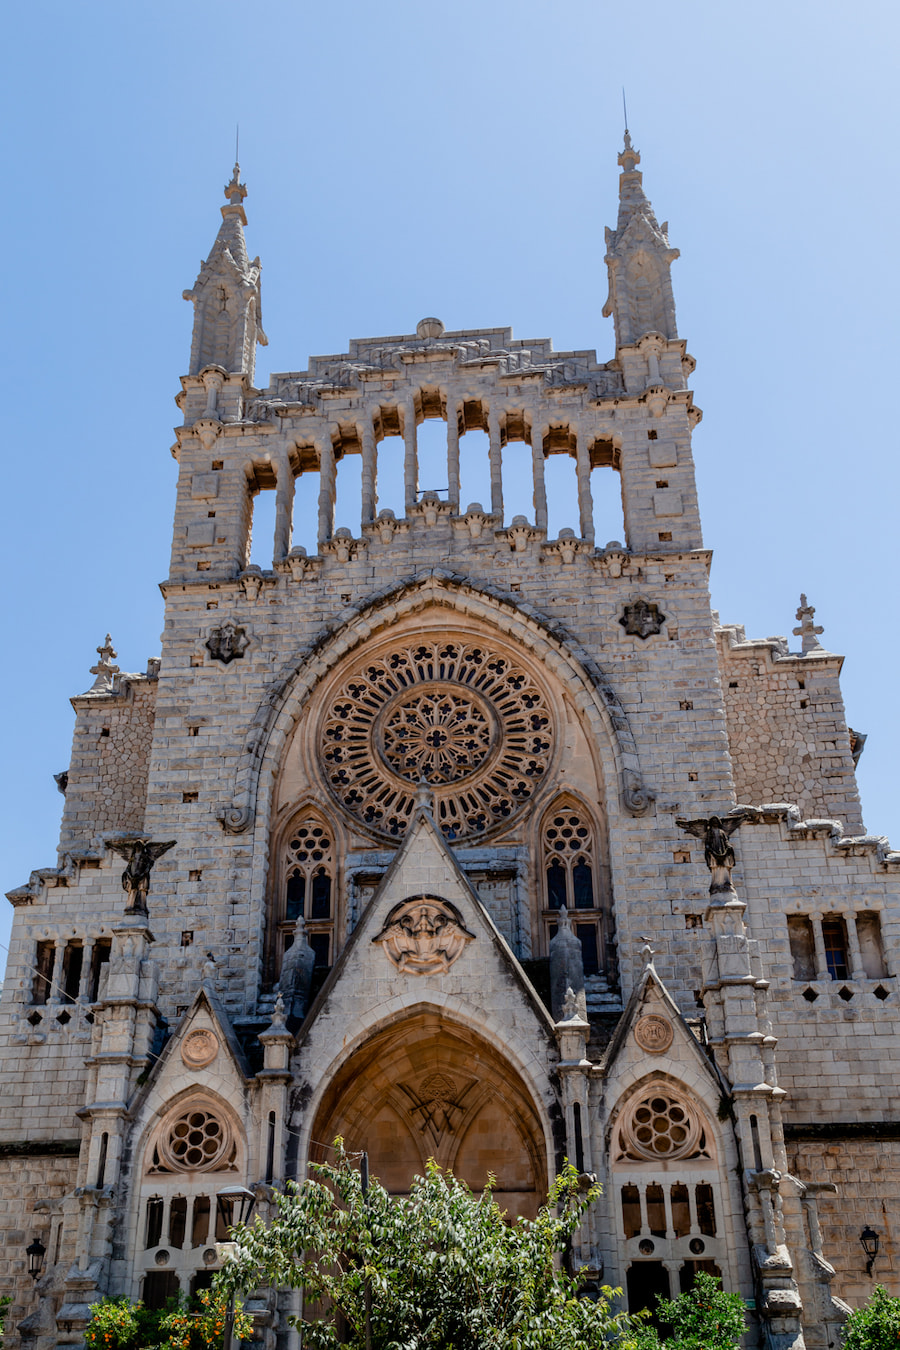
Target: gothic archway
x=425, y=1087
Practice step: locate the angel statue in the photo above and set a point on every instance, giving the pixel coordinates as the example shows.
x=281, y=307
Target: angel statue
x=140, y=854
x=718, y=853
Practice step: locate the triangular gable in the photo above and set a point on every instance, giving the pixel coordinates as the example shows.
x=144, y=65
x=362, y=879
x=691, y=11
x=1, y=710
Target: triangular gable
x=425, y=867
x=177, y=1068
x=652, y=1034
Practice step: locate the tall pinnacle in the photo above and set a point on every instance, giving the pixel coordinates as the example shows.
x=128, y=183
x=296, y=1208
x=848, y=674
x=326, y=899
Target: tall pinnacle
x=226, y=295
x=638, y=258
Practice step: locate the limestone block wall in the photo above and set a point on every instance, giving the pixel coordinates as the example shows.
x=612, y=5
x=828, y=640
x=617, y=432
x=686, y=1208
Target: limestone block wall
x=866, y=1173
x=787, y=729
x=107, y=777
x=838, y=1047
x=32, y=1188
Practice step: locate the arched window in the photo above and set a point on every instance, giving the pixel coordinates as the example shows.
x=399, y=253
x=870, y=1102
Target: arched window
x=194, y=1152
x=308, y=888
x=571, y=877
x=667, y=1193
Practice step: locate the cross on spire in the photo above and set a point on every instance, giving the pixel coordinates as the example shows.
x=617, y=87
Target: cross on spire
x=104, y=670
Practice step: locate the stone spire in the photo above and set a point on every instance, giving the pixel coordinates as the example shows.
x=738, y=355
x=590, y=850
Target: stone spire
x=638, y=259
x=226, y=295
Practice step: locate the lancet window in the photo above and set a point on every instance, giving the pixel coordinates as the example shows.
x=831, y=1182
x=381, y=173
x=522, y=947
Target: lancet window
x=571, y=878
x=308, y=887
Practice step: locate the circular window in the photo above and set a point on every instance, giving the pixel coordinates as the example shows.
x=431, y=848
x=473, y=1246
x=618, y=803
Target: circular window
x=661, y=1126
x=465, y=719
x=195, y=1141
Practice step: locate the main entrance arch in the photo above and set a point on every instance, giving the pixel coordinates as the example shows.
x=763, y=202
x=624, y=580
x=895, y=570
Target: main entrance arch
x=426, y=1087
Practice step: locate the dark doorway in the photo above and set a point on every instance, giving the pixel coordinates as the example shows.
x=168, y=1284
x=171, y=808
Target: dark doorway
x=646, y=1279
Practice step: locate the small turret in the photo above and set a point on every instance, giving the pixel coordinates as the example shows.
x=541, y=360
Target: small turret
x=639, y=259
x=226, y=296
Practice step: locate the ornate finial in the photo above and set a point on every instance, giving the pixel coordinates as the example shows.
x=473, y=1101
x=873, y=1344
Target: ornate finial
x=808, y=631
x=565, y=923
x=277, y=1023
x=570, y=1004
x=235, y=191
x=104, y=670
x=424, y=795
x=629, y=158
x=647, y=954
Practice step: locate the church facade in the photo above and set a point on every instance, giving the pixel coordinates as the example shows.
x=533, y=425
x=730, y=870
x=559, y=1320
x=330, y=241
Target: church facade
x=458, y=841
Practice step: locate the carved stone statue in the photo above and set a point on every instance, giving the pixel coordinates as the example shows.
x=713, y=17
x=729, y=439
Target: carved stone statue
x=568, y=999
x=717, y=851
x=140, y=854
x=296, y=973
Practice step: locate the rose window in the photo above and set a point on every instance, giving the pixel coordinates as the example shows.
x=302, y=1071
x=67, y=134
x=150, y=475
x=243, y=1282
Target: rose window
x=662, y=1126
x=196, y=1141
x=467, y=721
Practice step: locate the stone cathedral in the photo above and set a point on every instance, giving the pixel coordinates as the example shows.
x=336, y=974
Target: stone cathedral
x=457, y=840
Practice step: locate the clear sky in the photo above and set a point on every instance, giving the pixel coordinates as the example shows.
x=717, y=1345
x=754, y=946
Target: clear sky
x=410, y=158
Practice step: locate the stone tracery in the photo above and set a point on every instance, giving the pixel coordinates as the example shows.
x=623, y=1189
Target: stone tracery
x=468, y=720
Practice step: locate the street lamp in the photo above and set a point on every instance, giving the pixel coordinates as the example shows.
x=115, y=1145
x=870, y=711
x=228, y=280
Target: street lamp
x=234, y=1205
x=35, y=1251
x=870, y=1244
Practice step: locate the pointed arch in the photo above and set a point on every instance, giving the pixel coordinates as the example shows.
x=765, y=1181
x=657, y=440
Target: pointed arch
x=574, y=872
x=276, y=714
x=303, y=884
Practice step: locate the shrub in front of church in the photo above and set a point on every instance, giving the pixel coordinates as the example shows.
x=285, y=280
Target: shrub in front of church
x=874, y=1326
x=703, y=1318
x=440, y=1267
x=119, y=1324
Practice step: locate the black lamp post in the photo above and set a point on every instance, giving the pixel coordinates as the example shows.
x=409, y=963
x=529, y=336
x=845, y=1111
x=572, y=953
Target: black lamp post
x=234, y=1205
x=870, y=1245
x=35, y=1251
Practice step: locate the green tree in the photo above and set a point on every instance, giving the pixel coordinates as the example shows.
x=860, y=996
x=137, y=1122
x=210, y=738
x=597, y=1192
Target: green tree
x=442, y=1269
x=874, y=1326
x=703, y=1318
x=5, y=1301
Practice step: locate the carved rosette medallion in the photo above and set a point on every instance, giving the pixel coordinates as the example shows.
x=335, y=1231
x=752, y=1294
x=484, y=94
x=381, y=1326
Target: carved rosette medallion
x=468, y=721
x=228, y=643
x=424, y=936
x=642, y=619
x=199, y=1048
x=653, y=1033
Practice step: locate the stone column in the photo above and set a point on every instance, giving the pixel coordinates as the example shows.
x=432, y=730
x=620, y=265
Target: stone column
x=326, y=489
x=411, y=456
x=453, y=452
x=540, y=489
x=857, y=969
x=284, y=508
x=84, y=987
x=55, y=994
x=496, y=462
x=822, y=972
x=585, y=498
x=366, y=432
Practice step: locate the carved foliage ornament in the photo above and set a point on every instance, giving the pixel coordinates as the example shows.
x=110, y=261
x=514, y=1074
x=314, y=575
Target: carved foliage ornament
x=424, y=936
x=642, y=619
x=227, y=643
x=469, y=721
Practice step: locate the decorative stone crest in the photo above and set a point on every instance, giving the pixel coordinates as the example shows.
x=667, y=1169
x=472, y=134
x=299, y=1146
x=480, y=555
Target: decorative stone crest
x=227, y=643
x=642, y=619
x=614, y=558
x=199, y=1048
x=251, y=580
x=519, y=534
x=424, y=936
x=566, y=547
x=430, y=507
x=475, y=519
x=386, y=525
x=343, y=546
x=653, y=1033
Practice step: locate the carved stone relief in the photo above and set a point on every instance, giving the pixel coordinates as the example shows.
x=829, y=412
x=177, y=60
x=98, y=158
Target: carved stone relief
x=642, y=619
x=424, y=936
x=227, y=643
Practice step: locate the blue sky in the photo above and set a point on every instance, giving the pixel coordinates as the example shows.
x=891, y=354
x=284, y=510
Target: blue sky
x=405, y=159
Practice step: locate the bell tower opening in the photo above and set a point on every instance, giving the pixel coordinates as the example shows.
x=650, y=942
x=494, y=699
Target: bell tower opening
x=425, y=1087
